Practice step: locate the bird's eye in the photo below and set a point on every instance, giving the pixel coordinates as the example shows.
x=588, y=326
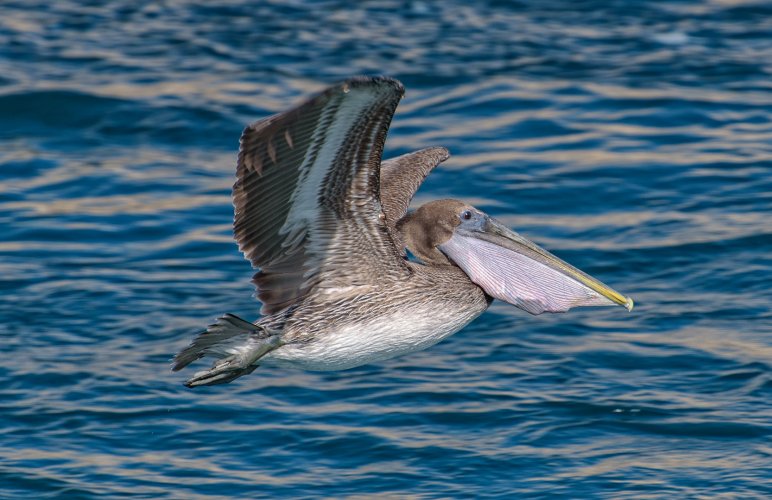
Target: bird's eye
x=466, y=214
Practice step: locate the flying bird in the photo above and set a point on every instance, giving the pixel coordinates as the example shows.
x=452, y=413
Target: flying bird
x=326, y=222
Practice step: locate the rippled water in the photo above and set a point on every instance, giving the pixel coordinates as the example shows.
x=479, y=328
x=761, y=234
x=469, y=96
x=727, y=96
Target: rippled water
x=634, y=139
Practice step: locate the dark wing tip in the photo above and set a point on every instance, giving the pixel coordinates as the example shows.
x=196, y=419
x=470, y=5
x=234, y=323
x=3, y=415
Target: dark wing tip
x=364, y=80
x=373, y=81
x=251, y=135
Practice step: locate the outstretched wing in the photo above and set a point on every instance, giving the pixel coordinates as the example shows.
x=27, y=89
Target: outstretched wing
x=307, y=206
x=400, y=179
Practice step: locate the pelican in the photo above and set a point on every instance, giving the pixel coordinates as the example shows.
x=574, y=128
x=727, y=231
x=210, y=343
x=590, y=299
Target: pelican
x=327, y=224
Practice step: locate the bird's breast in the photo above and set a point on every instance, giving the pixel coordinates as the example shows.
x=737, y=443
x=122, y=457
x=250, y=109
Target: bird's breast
x=358, y=341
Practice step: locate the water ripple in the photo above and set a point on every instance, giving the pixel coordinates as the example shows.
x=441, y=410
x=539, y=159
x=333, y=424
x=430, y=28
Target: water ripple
x=631, y=139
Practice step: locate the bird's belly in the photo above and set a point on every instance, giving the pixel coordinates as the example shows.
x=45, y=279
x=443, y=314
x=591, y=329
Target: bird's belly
x=374, y=339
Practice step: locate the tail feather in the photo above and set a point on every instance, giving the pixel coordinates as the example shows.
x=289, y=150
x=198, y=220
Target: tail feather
x=236, y=343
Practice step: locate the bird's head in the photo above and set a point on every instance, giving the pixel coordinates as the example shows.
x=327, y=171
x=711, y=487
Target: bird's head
x=503, y=263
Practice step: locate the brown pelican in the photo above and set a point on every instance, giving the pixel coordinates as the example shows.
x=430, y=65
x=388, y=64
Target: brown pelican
x=327, y=224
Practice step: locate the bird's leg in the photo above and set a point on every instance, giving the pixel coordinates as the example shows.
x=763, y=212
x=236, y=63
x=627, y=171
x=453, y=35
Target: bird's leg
x=238, y=343
x=234, y=366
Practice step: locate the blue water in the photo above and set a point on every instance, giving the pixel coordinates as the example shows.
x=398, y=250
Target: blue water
x=633, y=139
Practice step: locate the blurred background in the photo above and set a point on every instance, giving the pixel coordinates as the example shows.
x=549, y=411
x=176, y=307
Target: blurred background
x=633, y=139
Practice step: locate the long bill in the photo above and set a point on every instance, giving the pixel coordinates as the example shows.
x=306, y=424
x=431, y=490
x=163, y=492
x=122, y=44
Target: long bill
x=514, y=269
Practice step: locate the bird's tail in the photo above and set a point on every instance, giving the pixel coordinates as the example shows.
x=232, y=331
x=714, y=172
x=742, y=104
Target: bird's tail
x=237, y=344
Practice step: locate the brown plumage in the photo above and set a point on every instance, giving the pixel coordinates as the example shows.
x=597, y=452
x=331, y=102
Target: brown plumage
x=326, y=223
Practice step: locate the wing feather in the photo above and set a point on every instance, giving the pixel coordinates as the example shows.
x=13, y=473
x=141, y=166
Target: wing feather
x=306, y=197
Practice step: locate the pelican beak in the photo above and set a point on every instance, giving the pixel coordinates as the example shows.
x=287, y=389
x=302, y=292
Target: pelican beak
x=514, y=269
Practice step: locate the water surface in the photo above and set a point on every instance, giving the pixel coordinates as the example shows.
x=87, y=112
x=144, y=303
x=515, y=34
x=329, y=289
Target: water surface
x=632, y=139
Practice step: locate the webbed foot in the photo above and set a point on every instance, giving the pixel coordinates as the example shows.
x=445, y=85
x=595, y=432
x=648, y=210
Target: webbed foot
x=238, y=343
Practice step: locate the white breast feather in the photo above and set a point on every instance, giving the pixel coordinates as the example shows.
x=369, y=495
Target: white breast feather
x=379, y=339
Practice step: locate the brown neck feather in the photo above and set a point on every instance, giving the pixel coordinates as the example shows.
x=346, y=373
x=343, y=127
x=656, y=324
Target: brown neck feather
x=431, y=225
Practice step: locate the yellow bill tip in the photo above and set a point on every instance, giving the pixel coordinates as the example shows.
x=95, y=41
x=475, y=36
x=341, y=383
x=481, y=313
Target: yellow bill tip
x=629, y=304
